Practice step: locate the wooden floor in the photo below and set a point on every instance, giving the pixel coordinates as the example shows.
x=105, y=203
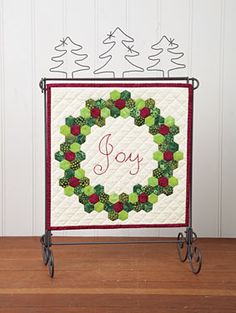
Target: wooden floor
x=116, y=278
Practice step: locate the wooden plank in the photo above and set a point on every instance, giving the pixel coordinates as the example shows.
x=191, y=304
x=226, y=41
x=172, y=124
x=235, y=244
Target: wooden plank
x=228, y=121
x=117, y=291
x=206, y=67
x=109, y=14
x=49, y=30
x=76, y=24
x=2, y=124
x=147, y=303
x=176, y=24
x=143, y=24
x=55, y=19
x=18, y=118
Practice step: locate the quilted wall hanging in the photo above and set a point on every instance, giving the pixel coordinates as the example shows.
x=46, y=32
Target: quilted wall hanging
x=118, y=154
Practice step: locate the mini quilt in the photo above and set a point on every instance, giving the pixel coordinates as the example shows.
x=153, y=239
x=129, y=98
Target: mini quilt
x=118, y=155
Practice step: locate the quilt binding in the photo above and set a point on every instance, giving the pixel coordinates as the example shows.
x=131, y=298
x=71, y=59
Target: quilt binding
x=48, y=152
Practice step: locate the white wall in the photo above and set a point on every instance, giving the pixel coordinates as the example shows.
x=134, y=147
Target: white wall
x=30, y=29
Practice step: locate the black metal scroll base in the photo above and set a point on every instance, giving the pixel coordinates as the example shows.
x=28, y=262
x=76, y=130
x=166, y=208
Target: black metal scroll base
x=187, y=250
x=186, y=246
x=47, y=255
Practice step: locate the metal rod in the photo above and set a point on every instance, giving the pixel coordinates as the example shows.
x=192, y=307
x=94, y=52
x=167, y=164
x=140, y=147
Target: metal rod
x=43, y=89
x=112, y=242
x=187, y=79
x=119, y=79
x=191, y=166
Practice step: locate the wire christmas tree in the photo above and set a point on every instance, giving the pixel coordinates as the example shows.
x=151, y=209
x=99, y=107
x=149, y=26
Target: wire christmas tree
x=69, y=59
x=166, y=57
x=118, y=58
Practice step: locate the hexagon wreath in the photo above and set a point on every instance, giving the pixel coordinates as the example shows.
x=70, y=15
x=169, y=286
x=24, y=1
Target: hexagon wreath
x=70, y=156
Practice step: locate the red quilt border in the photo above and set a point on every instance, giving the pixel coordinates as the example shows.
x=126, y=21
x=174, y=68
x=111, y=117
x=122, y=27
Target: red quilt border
x=48, y=153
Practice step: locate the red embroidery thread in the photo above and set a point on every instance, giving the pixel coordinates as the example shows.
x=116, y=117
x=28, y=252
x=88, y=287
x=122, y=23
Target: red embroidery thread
x=106, y=153
x=106, y=149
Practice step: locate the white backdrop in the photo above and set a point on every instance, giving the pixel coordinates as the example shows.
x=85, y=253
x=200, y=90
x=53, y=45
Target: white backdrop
x=29, y=31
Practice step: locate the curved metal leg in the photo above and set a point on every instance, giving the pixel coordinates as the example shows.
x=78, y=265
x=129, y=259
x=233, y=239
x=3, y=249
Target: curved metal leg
x=182, y=247
x=196, y=260
x=50, y=263
x=187, y=250
x=47, y=254
x=44, y=250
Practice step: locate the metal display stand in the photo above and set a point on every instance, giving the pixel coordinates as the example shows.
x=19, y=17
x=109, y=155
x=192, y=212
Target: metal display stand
x=186, y=242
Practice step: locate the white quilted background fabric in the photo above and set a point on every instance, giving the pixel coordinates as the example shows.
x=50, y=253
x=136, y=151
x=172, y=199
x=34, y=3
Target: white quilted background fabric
x=125, y=137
